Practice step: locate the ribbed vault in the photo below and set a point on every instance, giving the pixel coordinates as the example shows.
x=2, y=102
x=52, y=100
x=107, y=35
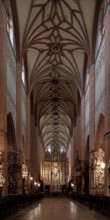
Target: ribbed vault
x=55, y=37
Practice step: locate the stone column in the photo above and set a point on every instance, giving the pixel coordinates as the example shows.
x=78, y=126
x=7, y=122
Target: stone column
x=107, y=93
x=78, y=135
x=28, y=146
x=19, y=121
x=82, y=136
x=28, y=128
x=72, y=155
x=92, y=107
x=19, y=106
x=82, y=127
x=40, y=153
x=3, y=90
x=32, y=154
x=92, y=123
x=36, y=152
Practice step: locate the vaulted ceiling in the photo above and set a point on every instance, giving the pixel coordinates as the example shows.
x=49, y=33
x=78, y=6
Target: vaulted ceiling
x=55, y=37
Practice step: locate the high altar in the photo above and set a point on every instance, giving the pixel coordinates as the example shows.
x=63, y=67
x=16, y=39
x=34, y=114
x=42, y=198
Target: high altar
x=55, y=170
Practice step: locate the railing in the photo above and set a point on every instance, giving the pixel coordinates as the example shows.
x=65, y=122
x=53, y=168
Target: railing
x=11, y=204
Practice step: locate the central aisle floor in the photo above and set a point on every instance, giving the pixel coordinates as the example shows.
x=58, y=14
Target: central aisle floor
x=57, y=209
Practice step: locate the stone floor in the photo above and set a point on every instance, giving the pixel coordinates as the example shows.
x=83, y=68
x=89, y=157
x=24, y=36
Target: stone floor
x=57, y=209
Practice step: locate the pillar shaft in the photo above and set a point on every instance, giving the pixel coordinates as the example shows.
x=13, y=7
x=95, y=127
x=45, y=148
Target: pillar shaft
x=3, y=88
x=107, y=93
x=83, y=127
x=28, y=128
x=92, y=107
x=3, y=91
x=92, y=123
x=19, y=106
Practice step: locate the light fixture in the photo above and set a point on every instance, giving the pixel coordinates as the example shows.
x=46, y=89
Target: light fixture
x=31, y=178
x=38, y=184
x=72, y=185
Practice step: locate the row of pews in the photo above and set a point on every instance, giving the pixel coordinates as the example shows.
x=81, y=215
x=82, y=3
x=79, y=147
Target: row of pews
x=99, y=203
x=11, y=204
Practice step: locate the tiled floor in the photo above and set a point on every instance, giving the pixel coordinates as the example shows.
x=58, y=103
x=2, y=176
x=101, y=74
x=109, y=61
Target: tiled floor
x=57, y=209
